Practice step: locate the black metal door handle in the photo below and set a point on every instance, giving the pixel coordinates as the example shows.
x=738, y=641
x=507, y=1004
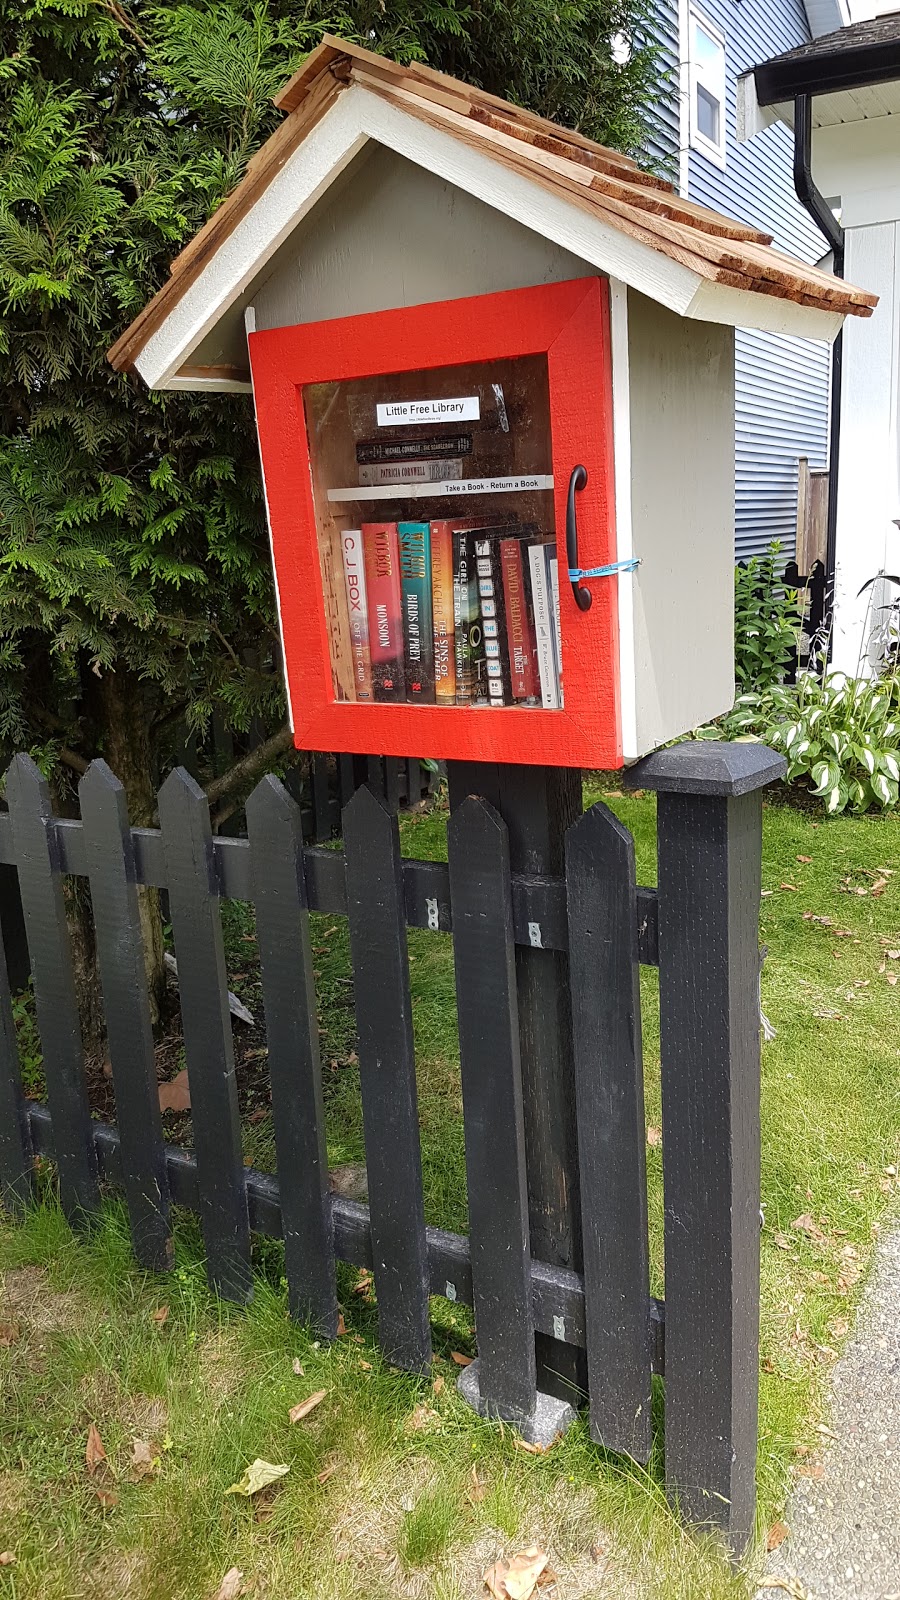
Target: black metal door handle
x=577, y=480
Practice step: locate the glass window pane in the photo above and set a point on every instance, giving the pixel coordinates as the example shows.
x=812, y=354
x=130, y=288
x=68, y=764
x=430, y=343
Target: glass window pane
x=707, y=50
x=708, y=115
x=433, y=493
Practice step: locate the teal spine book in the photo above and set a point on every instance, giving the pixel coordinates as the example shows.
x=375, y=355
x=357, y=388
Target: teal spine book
x=418, y=626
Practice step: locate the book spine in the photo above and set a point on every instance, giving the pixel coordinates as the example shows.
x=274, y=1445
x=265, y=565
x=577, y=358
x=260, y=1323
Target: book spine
x=553, y=571
x=543, y=625
x=519, y=623
x=493, y=621
x=464, y=592
x=443, y=618
x=418, y=634
x=355, y=584
x=409, y=472
x=385, y=607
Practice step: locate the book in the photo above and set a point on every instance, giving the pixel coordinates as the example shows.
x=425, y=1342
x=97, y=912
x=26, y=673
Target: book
x=418, y=635
x=355, y=584
x=525, y=684
x=385, y=608
x=553, y=570
x=493, y=618
x=410, y=472
x=435, y=446
x=442, y=613
x=466, y=627
x=544, y=626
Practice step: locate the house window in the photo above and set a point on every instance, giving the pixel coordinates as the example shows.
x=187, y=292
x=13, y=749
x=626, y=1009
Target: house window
x=707, y=88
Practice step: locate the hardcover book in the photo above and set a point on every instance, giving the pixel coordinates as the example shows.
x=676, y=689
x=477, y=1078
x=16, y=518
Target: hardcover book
x=519, y=621
x=493, y=620
x=436, y=446
x=418, y=634
x=466, y=627
x=553, y=570
x=385, y=606
x=442, y=607
x=544, y=625
x=355, y=584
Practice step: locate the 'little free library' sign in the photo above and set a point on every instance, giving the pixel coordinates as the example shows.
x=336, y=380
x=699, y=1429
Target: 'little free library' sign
x=397, y=413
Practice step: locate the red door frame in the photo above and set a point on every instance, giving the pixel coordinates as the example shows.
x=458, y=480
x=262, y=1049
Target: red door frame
x=570, y=323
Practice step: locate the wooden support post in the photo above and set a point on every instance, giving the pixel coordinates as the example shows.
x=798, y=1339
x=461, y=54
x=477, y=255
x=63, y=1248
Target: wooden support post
x=538, y=804
x=710, y=850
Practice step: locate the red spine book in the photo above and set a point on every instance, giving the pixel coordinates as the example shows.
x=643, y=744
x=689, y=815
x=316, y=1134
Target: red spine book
x=519, y=626
x=385, y=605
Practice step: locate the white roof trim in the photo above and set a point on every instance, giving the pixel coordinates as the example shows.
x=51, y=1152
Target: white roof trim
x=740, y=308
x=357, y=116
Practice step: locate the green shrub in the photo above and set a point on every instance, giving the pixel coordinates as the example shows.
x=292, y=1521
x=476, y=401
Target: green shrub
x=841, y=735
x=767, y=622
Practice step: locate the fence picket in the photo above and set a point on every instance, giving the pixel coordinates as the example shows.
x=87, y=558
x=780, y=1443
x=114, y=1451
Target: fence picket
x=289, y=996
x=55, y=995
x=609, y=1098
x=377, y=923
x=109, y=850
x=206, y=1024
x=321, y=798
x=15, y=1128
x=484, y=957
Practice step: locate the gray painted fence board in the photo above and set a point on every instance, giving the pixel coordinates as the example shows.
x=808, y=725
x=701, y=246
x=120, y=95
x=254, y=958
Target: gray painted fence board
x=387, y=1071
x=206, y=1025
x=53, y=974
x=609, y=1096
x=129, y=1031
x=484, y=958
x=295, y=1073
x=15, y=1128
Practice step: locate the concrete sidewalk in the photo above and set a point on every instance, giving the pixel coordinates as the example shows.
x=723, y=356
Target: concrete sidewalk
x=844, y=1542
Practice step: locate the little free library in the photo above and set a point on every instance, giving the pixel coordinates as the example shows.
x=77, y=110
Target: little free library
x=493, y=369
x=492, y=366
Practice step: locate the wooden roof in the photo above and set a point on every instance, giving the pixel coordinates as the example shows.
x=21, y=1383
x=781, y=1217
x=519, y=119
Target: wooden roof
x=608, y=185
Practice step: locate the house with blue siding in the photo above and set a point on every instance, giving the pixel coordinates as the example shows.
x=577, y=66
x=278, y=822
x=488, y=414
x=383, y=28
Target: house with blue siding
x=782, y=384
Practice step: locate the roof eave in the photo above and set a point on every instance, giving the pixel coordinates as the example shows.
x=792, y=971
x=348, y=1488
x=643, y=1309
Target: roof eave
x=854, y=67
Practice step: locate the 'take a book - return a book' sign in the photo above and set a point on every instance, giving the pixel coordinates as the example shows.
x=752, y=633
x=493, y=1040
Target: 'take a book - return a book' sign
x=402, y=413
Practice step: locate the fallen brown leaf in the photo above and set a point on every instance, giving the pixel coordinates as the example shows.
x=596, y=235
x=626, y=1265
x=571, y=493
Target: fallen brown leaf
x=805, y=859
x=805, y=1224
x=792, y=886
x=460, y=1359
x=106, y=1498
x=326, y=1473
x=160, y=1316
x=231, y=1586
x=421, y=1417
x=296, y=1367
x=142, y=1462
x=366, y=1365
x=654, y=1137
x=790, y=1586
x=597, y=1554
x=438, y=1385
x=94, y=1453
x=535, y=1449
x=878, y=888
x=814, y=1470
x=516, y=1579
x=478, y=1489
x=10, y=1333
x=777, y=1535
x=7, y=1559
x=342, y=1326
x=176, y=1096
x=298, y=1412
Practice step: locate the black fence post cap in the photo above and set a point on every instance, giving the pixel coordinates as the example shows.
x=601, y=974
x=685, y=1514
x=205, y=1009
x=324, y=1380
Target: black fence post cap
x=707, y=766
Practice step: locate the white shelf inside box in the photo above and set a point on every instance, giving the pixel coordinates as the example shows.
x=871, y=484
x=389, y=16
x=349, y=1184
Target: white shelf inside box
x=444, y=488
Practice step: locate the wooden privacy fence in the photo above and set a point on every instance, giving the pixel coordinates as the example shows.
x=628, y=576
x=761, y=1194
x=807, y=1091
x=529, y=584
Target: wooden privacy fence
x=699, y=927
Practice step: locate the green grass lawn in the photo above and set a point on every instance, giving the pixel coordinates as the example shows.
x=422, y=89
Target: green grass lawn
x=394, y=1488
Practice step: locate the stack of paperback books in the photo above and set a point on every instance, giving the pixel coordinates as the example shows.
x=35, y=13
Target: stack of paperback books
x=454, y=613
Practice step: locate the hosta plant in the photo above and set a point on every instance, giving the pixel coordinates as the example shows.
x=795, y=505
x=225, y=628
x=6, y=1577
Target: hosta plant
x=842, y=735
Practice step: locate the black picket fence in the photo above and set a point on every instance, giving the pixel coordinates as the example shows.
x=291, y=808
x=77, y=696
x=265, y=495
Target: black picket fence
x=699, y=927
x=322, y=784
